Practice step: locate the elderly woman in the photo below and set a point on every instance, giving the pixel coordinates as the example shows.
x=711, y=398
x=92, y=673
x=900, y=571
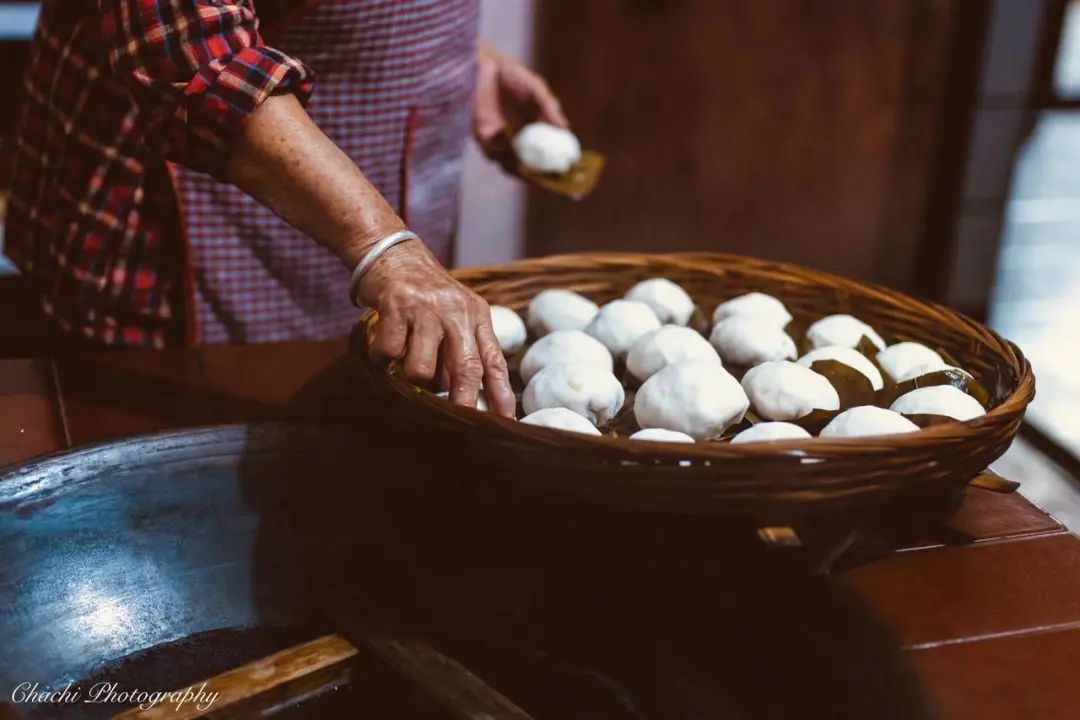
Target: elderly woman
x=172, y=166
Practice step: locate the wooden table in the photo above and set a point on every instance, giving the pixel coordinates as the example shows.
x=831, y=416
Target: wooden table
x=992, y=623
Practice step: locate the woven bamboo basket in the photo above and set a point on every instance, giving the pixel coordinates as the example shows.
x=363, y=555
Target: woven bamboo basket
x=766, y=483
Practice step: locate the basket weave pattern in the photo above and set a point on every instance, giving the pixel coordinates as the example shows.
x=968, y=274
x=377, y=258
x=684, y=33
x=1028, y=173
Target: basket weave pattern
x=771, y=479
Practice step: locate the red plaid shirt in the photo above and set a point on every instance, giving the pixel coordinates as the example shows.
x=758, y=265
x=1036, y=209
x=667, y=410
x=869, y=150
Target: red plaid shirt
x=112, y=88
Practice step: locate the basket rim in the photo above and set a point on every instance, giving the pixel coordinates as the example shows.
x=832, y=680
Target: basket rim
x=1010, y=410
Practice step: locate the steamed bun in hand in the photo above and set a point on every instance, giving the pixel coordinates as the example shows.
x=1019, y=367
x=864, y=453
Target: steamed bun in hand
x=620, y=323
x=553, y=310
x=748, y=340
x=867, y=420
x=938, y=400
x=698, y=398
x=564, y=346
x=509, y=328
x=656, y=350
x=561, y=419
x=843, y=330
x=764, y=307
x=783, y=390
x=589, y=390
x=667, y=300
x=547, y=148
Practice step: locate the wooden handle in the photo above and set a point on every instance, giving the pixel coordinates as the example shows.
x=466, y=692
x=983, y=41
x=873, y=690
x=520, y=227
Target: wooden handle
x=274, y=681
x=441, y=679
x=306, y=670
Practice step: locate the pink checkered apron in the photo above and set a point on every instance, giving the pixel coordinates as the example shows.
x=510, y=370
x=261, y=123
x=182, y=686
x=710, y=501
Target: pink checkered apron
x=394, y=90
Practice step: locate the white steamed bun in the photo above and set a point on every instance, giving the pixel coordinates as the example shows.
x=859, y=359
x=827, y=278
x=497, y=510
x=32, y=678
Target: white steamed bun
x=756, y=304
x=564, y=346
x=552, y=310
x=589, y=390
x=561, y=419
x=843, y=330
x=509, y=328
x=620, y=323
x=698, y=398
x=783, y=390
x=850, y=357
x=906, y=360
x=749, y=340
x=656, y=350
x=867, y=420
x=661, y=435
x=667, y=300
x=938, y=400
x=547, y=148
x=770, y=431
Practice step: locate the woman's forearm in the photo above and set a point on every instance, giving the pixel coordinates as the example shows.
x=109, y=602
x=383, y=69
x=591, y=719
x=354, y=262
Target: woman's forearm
x=287, y=163
x=425, y=316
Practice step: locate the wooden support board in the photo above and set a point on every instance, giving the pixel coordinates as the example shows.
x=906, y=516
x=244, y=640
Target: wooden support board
x=258, y=688
x=304, y=671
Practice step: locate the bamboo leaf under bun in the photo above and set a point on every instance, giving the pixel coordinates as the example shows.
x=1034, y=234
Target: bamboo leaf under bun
x=925, y=420
x=852, y=386
x=867, y=347
x=796, y=330
x=816, y=420
x=957, y=378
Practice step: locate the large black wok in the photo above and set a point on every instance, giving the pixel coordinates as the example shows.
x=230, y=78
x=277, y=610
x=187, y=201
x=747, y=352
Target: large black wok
x=211, y=547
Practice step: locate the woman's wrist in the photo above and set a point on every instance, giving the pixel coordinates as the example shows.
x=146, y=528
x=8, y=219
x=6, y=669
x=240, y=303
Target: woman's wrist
x=353, y=250
x=285, y=162
x=372, y=256
x=403, y=262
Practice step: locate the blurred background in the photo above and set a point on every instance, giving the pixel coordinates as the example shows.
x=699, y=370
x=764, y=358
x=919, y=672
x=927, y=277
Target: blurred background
x=930, y=145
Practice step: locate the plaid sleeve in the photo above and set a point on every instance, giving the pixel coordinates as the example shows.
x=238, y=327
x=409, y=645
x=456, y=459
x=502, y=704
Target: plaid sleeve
x=197, y=70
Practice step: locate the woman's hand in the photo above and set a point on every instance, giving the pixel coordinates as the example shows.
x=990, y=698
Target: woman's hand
x=426, y=317
x=509, y=95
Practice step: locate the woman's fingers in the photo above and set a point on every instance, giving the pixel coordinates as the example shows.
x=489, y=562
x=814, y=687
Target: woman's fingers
x=548, y=105
x=442, y=376
x=462, y=361
x=391, y=335
x=422, y=357
x=531, y=89
x=488, y=117
x=496, y=375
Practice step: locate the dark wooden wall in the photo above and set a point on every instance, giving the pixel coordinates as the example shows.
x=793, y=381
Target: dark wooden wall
x=802, y=130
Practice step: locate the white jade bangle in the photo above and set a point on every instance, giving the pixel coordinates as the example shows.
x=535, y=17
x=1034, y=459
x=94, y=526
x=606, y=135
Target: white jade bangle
x=374, y=254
